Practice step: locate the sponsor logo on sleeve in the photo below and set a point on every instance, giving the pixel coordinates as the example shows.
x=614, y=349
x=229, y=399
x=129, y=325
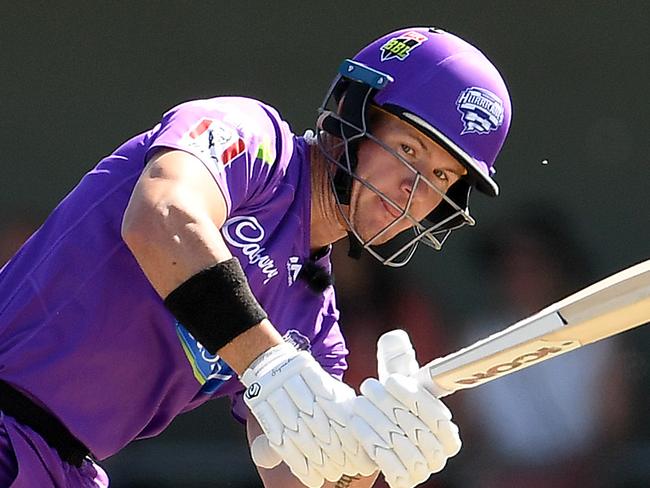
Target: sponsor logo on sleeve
x=481, y=110
x=218, y=140
x=246, y=233
x=209, y=369
x=401, y=46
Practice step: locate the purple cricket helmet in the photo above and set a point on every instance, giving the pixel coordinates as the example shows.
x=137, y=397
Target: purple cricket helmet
x=444, y=87
x=449, y=90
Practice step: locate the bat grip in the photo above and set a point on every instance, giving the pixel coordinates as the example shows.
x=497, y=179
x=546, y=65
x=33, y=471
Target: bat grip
x=424, y=378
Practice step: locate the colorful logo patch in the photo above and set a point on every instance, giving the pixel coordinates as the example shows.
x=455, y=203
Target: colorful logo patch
x=401, y=46
x=216, y=139
x=266, y=150
x=209, y=369
x=481, y=110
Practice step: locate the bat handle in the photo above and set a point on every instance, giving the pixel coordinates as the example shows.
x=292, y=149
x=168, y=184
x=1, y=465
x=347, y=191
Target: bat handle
x=424, y=378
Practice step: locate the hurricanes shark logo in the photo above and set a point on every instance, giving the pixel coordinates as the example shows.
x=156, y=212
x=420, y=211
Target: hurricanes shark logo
x=401, y=46
x=481, y=110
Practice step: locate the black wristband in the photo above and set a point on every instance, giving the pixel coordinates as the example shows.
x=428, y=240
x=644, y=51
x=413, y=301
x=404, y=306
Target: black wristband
x=216, y=305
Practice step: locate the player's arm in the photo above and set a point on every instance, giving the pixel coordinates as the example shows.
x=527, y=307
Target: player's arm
x=281, y=477
x=172, y=226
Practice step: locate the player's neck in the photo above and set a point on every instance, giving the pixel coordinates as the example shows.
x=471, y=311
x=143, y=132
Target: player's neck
x=327, y=224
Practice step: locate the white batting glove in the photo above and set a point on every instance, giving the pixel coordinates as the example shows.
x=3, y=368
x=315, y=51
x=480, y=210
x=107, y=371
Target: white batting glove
x=404, y=429
x=304, y=413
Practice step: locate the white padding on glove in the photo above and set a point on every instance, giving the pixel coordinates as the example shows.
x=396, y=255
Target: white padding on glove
x=304, y=413
x=403, y=428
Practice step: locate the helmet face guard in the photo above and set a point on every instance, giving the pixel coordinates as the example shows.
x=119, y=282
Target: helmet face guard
x=394, y=76
x=348, y=130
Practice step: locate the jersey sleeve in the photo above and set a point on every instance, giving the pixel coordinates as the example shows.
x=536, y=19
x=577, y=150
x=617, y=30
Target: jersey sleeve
x=242, y=142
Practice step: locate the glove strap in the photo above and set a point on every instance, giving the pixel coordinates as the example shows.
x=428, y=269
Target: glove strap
x=268, y=360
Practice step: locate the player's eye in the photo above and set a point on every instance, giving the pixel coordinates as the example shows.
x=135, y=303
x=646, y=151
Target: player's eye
x=440, y=174
x=407, y=149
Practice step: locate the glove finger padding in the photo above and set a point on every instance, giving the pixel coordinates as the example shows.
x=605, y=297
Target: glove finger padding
x=319, y=424
x=331, y=445
x=313, y=469
x=380, y=452
x=402, y=427
x=432, y=450
x=298, y=464
x=313, y=378
x=426, y=441
x=380, y=424
x=427, y=408
x=449, y=437
x=357, y=460
x=380, y=436
x=269, y=422
x=303, y=437
x=334, y=457
x=304, y=412
x=395, y=354
x=284, y=408
x=263, y=454
x=300, y=393
x=411, y=457
x=331, y=394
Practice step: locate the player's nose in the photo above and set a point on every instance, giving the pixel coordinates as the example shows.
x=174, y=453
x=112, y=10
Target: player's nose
x=420, y=199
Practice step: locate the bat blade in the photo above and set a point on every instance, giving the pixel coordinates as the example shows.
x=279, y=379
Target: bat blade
x=613, y=305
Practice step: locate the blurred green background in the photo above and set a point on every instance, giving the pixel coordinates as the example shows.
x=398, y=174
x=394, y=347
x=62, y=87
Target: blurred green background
x=78, y=78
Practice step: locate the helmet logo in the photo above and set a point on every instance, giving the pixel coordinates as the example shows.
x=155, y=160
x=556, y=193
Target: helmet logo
x=481, y=110
x=401, y=46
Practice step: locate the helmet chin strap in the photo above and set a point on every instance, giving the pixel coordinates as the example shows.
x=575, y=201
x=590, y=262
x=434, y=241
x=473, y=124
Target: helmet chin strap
x=355, y=248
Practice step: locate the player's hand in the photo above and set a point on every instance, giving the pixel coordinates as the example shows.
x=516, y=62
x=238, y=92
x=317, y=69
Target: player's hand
x=404, y=429
x=304, y=413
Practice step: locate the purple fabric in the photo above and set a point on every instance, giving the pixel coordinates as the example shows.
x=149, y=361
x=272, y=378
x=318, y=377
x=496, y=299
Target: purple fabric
x=85, y=335
x=26, y=461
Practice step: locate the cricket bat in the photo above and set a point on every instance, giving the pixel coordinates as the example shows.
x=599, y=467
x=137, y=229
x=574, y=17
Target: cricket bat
x=608, y=307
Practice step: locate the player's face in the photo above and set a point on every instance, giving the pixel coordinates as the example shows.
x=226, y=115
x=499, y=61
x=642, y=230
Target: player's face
x=369, y=212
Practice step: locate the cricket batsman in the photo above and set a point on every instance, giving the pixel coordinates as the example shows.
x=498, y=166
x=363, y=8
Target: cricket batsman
x=193, y=263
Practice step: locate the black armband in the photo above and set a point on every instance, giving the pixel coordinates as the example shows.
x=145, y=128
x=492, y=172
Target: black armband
x=216, y=305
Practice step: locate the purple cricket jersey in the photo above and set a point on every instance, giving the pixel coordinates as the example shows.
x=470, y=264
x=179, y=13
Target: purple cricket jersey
x=83, y=332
